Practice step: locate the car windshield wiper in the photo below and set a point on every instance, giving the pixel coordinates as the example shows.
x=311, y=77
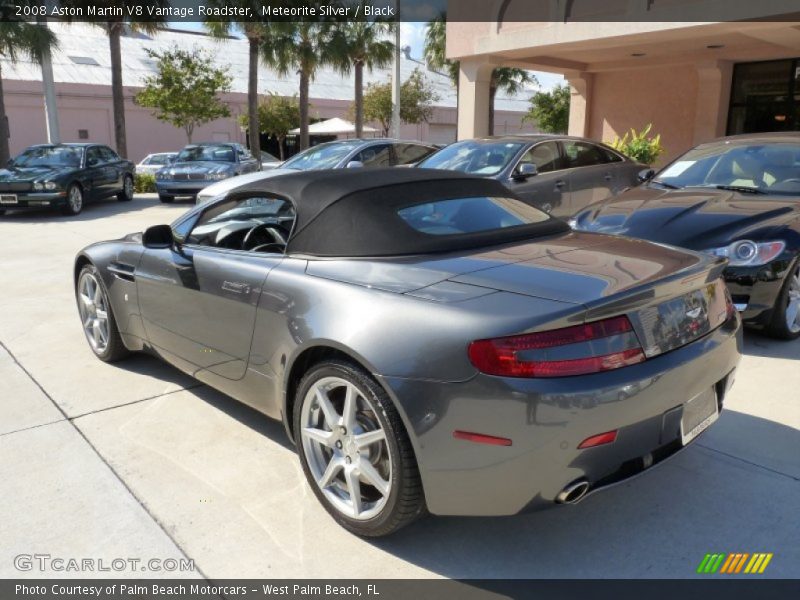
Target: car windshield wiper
x=665, y=184
x=744, y=189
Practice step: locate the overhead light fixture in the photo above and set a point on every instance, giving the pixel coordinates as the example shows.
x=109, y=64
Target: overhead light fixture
x=638, y=54
x=780, y=118
x=715, y=46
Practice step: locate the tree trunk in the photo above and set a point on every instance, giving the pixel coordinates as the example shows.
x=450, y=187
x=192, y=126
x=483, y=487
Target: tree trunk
x=359, y=99
x=118, y=99
x=304, y=79
x=5, y=152
x=280, y=148
x=189, y=131
x=253, y=129
x=492, y=94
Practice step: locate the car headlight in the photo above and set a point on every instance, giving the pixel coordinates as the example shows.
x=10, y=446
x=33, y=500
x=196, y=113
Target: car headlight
x=50, y=185
x=747, y=253
x=161, y=175
x=38, y=186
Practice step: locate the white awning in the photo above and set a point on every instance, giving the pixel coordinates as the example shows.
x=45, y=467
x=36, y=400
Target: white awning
x=335, y=126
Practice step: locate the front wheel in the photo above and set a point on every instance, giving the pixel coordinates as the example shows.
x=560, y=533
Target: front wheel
x=126, y=195
x=166, y=199
x=97, y=317
x=785, y=323
x=74, y=203
x=354, y=450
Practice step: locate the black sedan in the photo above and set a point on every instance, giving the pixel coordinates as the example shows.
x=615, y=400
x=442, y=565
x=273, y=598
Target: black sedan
x=64, y=176
x=559, y=175
x=737, y=197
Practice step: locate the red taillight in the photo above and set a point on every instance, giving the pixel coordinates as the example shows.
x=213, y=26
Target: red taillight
x=499, y=356
x=598, y=440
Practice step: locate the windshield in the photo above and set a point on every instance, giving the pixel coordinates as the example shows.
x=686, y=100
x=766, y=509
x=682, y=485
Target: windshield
x=477, y=158
x=219, y=153
x=324, y=156
x=50, y=156
x=756, y=168
x=159, y=159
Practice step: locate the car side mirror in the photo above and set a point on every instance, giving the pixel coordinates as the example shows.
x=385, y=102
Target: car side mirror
x=158, y=236
x=646, y=175
x=525, y=170
x=355, y=164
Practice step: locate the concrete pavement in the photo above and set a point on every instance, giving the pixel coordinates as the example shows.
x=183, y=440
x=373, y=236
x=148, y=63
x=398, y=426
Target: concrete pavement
x=138, y=460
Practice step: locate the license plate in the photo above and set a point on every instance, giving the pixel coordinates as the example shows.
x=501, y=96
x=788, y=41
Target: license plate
x=698, y=413
x=8, y=198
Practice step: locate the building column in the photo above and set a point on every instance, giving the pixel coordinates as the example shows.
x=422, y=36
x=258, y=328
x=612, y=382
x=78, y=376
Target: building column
x=713, y=98
x=580, y=89
x=474, y=79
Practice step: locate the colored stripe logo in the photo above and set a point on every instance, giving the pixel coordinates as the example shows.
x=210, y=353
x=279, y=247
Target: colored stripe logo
x=734, y=563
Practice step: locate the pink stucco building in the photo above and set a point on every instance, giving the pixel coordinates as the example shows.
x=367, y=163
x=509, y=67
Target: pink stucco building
x=82, y=74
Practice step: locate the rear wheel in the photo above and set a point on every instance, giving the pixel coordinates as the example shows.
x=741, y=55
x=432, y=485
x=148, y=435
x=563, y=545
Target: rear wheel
x=126, y=195
x=785, y=323
x=355, y=451
x=166, y=199
x=74, y=203
x=97, y=317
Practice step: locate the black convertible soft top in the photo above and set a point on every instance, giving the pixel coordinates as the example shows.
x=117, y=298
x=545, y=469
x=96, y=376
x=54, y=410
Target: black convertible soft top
x=353, y=212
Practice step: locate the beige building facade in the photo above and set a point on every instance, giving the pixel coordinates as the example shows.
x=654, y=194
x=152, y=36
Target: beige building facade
x=693, y=81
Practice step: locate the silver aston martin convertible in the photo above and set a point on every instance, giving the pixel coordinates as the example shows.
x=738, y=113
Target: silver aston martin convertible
x=430, y=342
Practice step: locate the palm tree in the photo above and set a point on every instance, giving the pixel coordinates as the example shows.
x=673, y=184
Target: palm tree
x=510, y=80
x=357, y=45
x=20, y=39
x=258, y=37
x=302, y=46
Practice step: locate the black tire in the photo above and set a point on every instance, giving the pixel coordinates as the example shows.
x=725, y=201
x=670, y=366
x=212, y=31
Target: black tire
x=405, y=501
x=2, y=211
x=126, y=195
x=166, y=199
x=778, y=326
x=75, y=200
x=114, y=349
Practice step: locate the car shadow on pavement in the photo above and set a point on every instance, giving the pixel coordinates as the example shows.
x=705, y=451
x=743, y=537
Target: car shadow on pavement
x=757, y=344
x=92, y=210
x=713, y=497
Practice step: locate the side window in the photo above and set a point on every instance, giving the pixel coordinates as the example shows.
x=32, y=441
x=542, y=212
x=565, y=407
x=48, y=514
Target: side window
x=545, y=156
x=244, y=154
x=610, y=156
x=93, y=157
x=411, y=153
x=379, y=155
x=583, y=154
x=108, y=155
x=256, y=224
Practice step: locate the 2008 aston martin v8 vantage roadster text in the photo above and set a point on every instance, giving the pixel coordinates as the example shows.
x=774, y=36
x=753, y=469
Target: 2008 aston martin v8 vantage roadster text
x=428, y=340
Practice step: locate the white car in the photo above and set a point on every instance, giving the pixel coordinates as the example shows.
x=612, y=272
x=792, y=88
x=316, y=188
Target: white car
x=153, y=162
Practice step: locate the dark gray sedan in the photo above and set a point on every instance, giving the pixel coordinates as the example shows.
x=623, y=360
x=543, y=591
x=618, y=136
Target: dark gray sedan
x=428, y=340
x=558, y=174
x=199, y=165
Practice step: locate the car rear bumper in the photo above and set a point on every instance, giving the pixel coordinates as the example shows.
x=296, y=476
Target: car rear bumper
x=33, y=200
x=547, y=419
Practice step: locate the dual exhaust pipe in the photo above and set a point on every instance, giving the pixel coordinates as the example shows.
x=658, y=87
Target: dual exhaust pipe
x=573, y=493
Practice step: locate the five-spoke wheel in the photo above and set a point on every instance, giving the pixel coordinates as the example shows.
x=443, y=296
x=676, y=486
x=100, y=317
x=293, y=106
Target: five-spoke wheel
x=97, y=317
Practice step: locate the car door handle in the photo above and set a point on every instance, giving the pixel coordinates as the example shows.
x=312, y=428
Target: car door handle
x=560, y=183
x=608, y=177
x=235, y=287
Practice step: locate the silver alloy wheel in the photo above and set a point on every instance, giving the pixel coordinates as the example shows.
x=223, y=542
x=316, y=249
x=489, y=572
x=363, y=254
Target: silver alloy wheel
x=793, y=305
x=346, y=448
x=127, y=188
x=75, y=198
x=93, y=308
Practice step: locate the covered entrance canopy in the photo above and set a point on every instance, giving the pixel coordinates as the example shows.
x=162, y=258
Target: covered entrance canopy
x=335, y=126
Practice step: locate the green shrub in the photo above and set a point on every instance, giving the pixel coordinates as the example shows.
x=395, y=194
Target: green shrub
x=639, y=146
x=144, y=183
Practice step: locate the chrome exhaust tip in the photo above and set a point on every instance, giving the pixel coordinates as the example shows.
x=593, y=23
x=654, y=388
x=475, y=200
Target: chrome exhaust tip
x=573, y=492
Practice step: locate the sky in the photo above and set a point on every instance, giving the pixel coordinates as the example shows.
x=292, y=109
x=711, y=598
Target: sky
x=411, y=34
